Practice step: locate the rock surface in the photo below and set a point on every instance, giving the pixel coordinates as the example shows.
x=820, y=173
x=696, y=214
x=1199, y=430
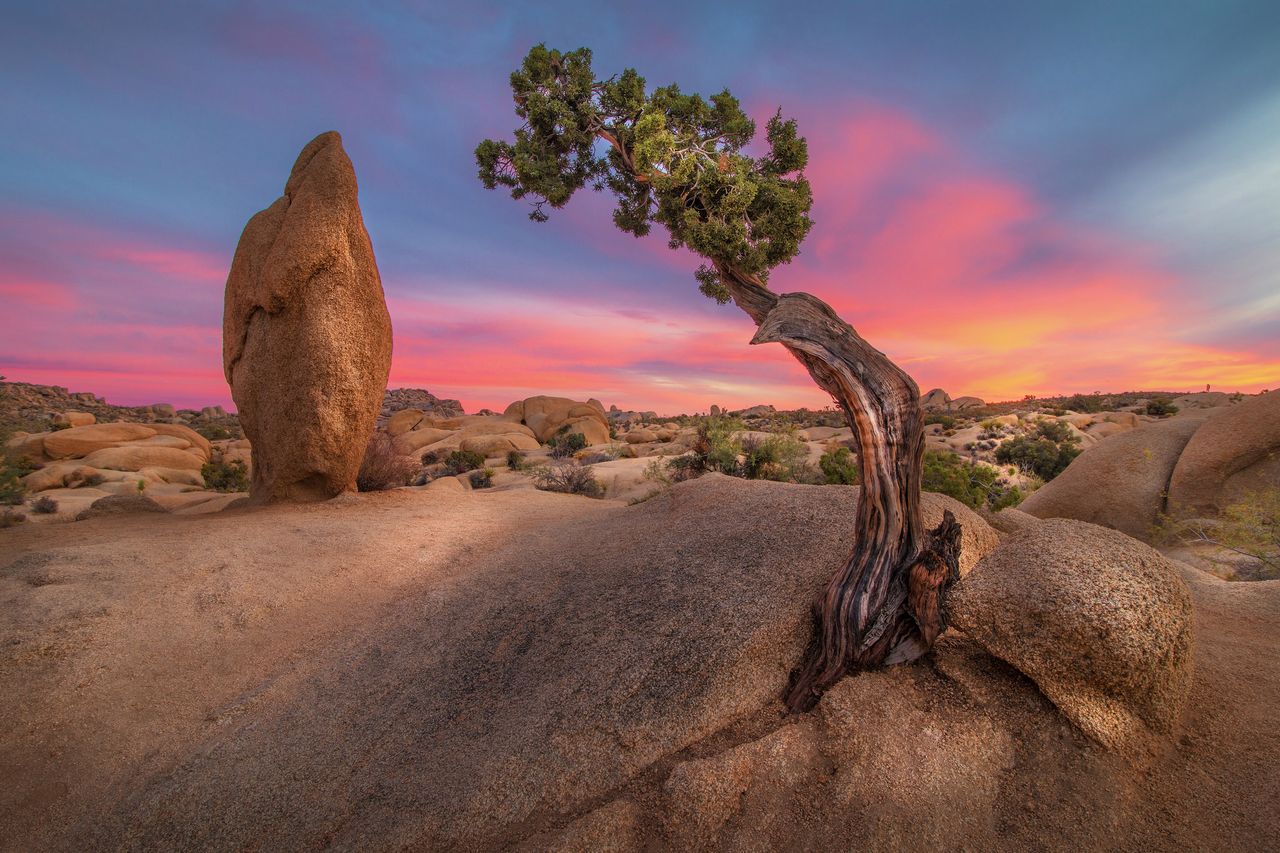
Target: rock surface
x=1099, y=621
x=1235, y=452
x=166, y=687
x=547, y=416
x=306, y=334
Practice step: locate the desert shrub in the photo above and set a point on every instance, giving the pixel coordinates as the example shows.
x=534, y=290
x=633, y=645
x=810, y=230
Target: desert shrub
x=227, y=476
x=462, y=461
x=482, y=478
x=566, y=444
x=946, y=421
x=515, y=460
x=384, y=466
x=1249, y=527
x=1088, y=403
x=1161, y=407
x=839, y=467
x=774, y=457
x=607, y=454
x=45, y=505
x=975, y=486
x=11, y=517
x=570, y=478
x=12, y=489
x=214, y=432
x=1046, y=453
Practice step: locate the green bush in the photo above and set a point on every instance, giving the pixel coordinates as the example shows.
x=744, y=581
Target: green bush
x=482, y=479
x=1087, y=403
x=1040, y=454
x=975, y=486
x=947, y=421
x=1161, y=407
x=461, y=461
x=231, y=476
x=774, y=457
x=566, y=444
x=214, y=432
x=515, y=460
x=839, y=467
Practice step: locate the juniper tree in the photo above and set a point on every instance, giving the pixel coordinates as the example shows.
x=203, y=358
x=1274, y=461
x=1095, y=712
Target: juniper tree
x=678, y=160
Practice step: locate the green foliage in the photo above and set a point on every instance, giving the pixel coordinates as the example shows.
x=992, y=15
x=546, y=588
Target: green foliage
x=1046, y=453
x=461, y=461
x=230, y=476
x=12, y=490
x=775, y=457
x=214, y=432
x=482, y=479
x=975, y=486
x=1161, y=407
x=1087, y=403
x=515, y=460
x=567, y=444
x=839, y=467
x=667, y=157
x=946, y=421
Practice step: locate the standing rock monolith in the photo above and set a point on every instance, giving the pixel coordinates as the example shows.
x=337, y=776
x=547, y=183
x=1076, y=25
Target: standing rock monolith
x=306, y=338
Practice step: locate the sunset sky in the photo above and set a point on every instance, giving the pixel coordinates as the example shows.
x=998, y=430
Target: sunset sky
x=1011, y=198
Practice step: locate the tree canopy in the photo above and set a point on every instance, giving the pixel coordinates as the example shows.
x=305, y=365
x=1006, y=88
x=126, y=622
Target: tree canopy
x=668, y=157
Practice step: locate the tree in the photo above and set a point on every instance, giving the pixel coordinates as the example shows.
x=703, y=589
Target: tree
x=677, y=160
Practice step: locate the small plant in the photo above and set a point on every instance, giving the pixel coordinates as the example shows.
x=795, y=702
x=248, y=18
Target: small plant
x=45, y=505
x=515, y=460
x=142, y=486
x=1249, y=527
x=462, y=461
x=384, y=466
x=774, y=457
x=567, y=444
x=12, y=489
x=839, y=467
x=570, y=478
x=482, y=478
x=945, y=421
x=214, y=432
x=226, y=476
x=1161, y=407
x=11, y=518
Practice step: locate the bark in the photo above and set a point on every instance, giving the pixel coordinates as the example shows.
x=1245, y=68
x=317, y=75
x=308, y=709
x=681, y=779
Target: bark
x=868, y=614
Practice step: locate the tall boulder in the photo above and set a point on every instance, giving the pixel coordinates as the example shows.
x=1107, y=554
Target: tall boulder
x=935, y=400
x=1235, y=452
x=306, y=338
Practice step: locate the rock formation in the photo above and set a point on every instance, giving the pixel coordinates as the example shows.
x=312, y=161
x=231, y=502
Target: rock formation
x=548, y=416
x=1120, y=483
x=1236, y=451
x=306, y=335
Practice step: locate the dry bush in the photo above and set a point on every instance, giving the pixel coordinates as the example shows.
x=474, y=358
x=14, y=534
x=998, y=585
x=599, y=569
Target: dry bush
x=384, y=466
x=45, y=505
x=569, y=478
x=11, y=518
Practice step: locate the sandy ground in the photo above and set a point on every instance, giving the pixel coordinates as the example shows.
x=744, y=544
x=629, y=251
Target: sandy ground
x=438, y=669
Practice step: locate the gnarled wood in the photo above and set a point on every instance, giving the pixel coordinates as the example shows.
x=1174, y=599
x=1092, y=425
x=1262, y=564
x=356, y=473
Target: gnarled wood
x=862, y=617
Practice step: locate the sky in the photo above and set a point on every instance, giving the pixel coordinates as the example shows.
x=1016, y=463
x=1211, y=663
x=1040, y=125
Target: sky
x=1010, y=198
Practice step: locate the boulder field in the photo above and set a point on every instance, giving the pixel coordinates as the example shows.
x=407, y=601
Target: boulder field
x=513, y=669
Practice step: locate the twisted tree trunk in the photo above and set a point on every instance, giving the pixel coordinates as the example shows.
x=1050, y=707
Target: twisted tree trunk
x=885, y=604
